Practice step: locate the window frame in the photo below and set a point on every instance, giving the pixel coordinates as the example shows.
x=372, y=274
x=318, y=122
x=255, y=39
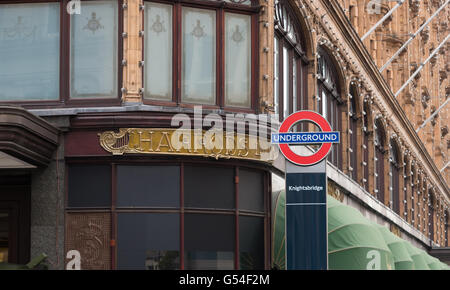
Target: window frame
x=64, y=99
x=394, y=176
x=114, y=210
x=353, y=127
x=365, y=144
x=296, y=51
x=379, y=143
x=334, y=100
x=220, y=8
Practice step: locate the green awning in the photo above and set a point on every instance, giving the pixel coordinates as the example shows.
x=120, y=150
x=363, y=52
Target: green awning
x=433, y=263
x=279, y=232
x=444, y=266
x=353, y=242
x=416, y=255
x=402, y=258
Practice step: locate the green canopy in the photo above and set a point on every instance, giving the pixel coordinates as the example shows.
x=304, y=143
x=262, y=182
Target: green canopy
x=433, y=263
x=353, y=242
x=416, y=255
x=402, y=258
x=279, y=232
x=444, y=266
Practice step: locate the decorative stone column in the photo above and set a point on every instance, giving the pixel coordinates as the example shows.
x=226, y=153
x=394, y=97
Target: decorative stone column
x=132, y=51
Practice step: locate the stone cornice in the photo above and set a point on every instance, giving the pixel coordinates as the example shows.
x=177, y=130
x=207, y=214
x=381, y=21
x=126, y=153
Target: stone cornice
x=26, y=136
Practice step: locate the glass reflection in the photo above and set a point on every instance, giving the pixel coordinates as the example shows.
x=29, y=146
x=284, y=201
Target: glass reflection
x=158, y=51
x=199, y=56
x=237, y=60
x=94, y=50
x=162, y=260
x=29, y=51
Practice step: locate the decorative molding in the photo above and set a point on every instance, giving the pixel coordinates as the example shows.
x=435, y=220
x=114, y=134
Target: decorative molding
x=89, y=233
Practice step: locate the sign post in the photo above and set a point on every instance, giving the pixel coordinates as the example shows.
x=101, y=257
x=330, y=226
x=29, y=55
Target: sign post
x=306, y=192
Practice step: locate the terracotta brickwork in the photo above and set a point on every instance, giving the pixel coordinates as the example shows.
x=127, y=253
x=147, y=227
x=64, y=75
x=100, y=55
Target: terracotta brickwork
x=430, y=88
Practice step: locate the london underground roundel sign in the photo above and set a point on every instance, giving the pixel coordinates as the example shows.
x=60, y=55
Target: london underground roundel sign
x=326, y=137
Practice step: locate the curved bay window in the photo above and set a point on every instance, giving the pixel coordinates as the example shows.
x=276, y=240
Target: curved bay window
x=290, y=63
x=167, y=216
x=379, y=159
x=394, y=175
x=329, y=100
x=353, y=129
x=201, y=53
x=52, y=57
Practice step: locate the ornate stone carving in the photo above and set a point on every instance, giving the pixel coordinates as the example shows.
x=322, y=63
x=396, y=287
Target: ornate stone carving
x=89, y=233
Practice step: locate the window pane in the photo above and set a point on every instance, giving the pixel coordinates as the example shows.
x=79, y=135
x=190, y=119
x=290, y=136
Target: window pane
x=158, y=51
x=251, y=243
x=199, y=56
x=94, y=50
x=246, y=2
x=286, y=81
x=216, y=190
x=237, y=60
x=209, y=242
x=89, y=186
x=140, y=186
x=148, y=241
x=29, y=51
x=251, y=190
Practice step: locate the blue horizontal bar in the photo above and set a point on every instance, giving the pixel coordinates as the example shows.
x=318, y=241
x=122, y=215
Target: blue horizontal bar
x=305, y=138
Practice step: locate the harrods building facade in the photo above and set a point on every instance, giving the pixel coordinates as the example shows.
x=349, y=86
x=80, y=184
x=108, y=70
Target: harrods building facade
x=86, y=108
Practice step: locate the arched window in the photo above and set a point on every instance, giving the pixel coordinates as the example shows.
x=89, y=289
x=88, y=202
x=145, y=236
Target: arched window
x=406, y=185
x=353, y=127
x=431, y=215
x=379, y=160
x=394, y=172
x=365, y=146
x=413, y=187
x=290, y=62
x=447, y=224
x=329, y=99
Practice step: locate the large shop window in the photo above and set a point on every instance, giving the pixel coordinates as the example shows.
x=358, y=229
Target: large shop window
x=49, y=55
x=328, y=100
x=290, y=63
x=168, y=216
x=200, y=54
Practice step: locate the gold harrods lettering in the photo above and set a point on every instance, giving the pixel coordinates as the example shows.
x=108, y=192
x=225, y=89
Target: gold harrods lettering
x=160, y=141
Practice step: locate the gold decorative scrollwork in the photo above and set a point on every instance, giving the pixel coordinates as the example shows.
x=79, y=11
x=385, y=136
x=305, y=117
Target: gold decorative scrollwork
x=116, y=143
x=187, y=142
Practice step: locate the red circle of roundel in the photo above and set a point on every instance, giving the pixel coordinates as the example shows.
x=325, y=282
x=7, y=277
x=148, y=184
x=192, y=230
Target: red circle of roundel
x=320, y=121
